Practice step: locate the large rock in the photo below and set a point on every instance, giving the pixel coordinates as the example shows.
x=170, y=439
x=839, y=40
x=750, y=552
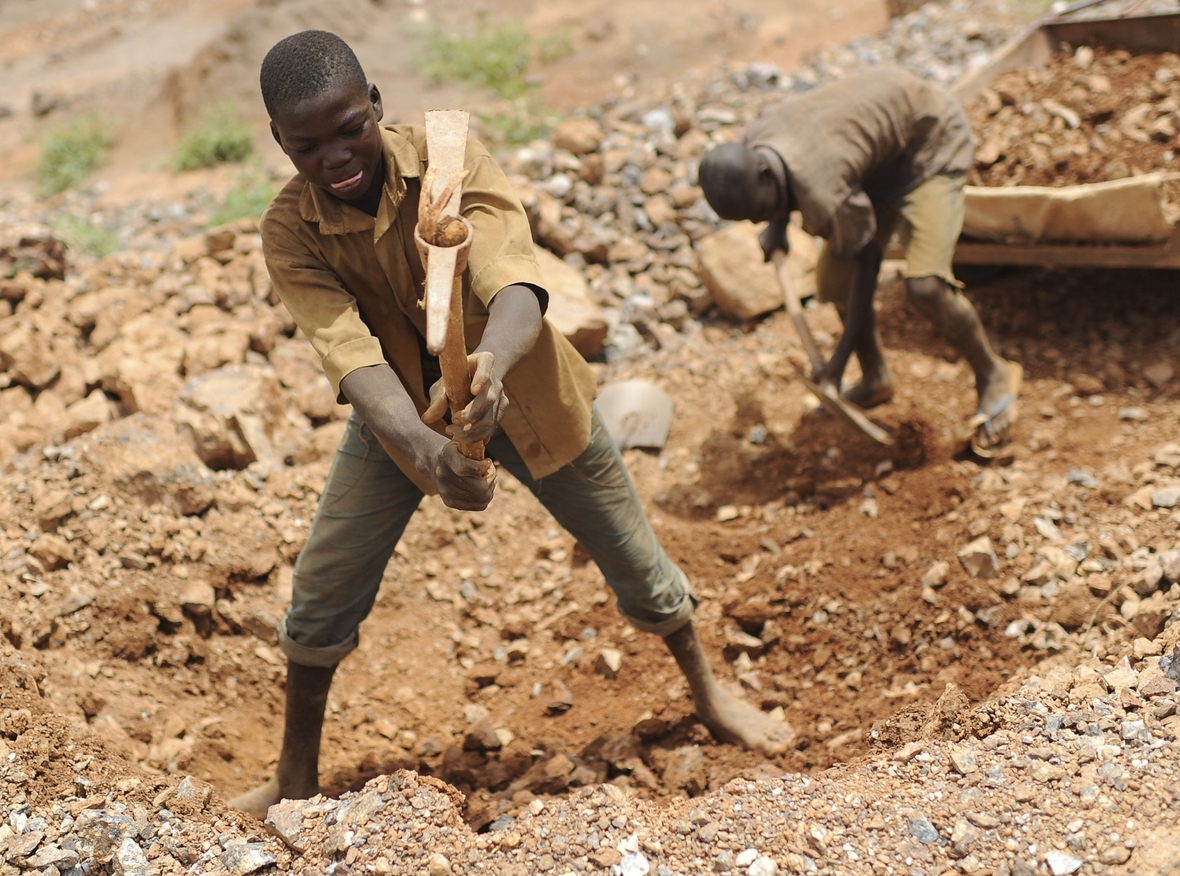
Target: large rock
x=743, y=286
x=297, y=365
x=235, y=416
x=88, y=414
x=571, y=309
x=33, y=250
x=26, y=355
x=112, y=308
x=732, y=269
x=578, y=135
x=20, y=425
x=147, y=460
x=142, y=366
x=242, y=546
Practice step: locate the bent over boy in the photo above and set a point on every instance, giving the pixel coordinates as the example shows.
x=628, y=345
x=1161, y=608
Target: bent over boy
x=876, y=152
x=338, y=242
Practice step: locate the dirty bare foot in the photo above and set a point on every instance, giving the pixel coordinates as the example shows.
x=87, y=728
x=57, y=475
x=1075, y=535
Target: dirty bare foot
x=997, y=388
x=727, y=717
x=257, y=801
x=733, y=720
x=866, y=394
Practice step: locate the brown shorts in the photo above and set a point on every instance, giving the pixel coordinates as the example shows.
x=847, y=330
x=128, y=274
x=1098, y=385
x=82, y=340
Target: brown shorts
x=928, y=221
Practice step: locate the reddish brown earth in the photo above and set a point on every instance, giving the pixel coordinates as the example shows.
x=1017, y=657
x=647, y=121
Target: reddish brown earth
x=788, y=526
x=854, y=639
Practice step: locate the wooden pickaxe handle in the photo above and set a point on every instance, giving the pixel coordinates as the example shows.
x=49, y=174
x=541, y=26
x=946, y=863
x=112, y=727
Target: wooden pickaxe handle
x=445, y=257
x=452, y=362
x=828, y=397
x=795, y=309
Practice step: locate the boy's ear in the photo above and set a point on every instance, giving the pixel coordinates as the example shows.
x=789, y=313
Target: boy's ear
x=765, y=173
x=274, y=132
x=375, y=100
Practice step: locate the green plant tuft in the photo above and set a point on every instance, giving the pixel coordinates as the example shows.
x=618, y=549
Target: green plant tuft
x=68, y=156
x=494, y=57
x=555, y=47
x=250, y=194
x=514, y=123
x=81, y=234
x=218, y=138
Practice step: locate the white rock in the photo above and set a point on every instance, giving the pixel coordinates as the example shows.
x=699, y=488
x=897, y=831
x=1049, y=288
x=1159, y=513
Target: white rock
x=609, y=662
x=936, y=575
x=1061, y=864
x=979, y=558
x=633, y=864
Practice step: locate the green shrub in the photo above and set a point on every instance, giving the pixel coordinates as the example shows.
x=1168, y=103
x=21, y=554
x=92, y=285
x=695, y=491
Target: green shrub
x=514, y=123
x=555, y=47
x=495, y=58
x=218, y=138
x=68, y=156
x=250, y=194
x=83, y=235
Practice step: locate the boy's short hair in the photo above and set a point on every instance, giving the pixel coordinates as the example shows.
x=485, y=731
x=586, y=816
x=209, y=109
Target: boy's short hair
x=303, y=65
x=728, y=174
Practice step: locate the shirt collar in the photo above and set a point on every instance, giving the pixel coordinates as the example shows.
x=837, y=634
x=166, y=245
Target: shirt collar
x=336, y=217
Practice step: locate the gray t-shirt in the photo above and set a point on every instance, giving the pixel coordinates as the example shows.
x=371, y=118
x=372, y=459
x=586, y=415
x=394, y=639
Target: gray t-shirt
x=867, y=139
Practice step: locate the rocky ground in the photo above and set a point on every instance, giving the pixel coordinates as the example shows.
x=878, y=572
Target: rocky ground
x=980, y=661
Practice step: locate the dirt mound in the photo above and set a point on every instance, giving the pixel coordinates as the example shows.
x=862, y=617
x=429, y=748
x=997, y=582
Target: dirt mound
x=1091, y=114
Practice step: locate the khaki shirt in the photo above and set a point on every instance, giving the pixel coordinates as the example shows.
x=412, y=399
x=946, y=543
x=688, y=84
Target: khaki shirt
x=354, y=284
x=867, y=139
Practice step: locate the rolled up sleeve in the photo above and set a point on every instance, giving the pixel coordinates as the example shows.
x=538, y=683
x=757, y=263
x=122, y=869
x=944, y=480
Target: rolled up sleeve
x=502, y=245
x=320, y=305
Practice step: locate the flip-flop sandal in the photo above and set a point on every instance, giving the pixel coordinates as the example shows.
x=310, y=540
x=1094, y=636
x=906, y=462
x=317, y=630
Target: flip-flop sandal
x=984, y=419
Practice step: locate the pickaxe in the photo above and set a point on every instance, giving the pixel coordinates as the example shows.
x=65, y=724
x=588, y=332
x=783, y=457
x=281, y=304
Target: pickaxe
x=443, y=238
x=828, y=397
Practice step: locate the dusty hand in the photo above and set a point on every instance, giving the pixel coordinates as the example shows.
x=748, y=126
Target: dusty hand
x=773, y=237
x=480, y=418
x=463, y=484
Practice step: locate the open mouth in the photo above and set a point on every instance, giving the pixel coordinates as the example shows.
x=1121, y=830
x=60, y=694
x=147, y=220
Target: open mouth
x=346, y=185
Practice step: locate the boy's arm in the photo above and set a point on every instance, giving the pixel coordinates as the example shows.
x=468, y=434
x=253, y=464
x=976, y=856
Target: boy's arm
x=852, y=234
x=387, y=409
x=514, y=322
x=860, y=305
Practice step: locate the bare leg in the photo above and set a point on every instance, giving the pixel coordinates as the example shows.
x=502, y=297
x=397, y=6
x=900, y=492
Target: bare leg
x=297, y=775
x=727, y=717
x=955, y=319
x=876, y=382
x=861, y=337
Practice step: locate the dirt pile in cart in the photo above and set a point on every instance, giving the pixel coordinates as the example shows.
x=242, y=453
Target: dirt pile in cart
x=1091, y=114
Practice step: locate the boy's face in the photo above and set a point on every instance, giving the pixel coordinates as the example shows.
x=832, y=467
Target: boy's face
x=334, y=140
